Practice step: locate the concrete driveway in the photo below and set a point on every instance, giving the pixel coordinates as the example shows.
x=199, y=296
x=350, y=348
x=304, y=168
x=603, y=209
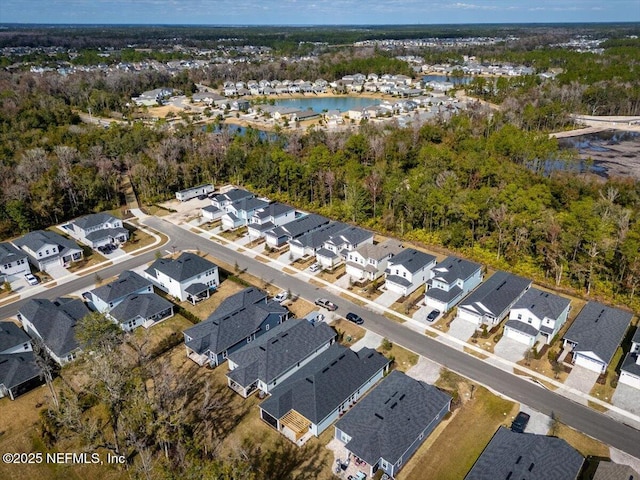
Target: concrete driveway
x=539, y=423
x=510, y=349
x=57, y=271
x=627, y=398
x=388, y=298
x=425, y=370
x=421, y=315
x=370, y=340
x=460, y=329
x=581, y=379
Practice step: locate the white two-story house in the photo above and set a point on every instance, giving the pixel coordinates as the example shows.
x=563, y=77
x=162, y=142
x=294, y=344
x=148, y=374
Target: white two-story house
x=13, y=261
x=408, y=270
x=221, y=202
x=271, y=216
x=239, y=213
x=45, y=248
x=368, y=262
x=108, y=296
x=630, y=370
x=99, y=229
x=337, y=247
x=452, y=279
x=189, y=277
x=537, y=317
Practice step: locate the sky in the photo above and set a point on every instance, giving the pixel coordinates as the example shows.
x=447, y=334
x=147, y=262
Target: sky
x=316, y=12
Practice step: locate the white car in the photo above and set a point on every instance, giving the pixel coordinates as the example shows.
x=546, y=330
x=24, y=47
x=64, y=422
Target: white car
x=281, y=297
x=31, y=279
x=315, y=267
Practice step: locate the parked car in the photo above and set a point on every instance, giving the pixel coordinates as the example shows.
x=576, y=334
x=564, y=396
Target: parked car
x=281, y=297
x=202, y=197
x=325, y=303
x=520, y=422
x=314, y=267
x=352, y=317
x=31, y=279
x=433, y=314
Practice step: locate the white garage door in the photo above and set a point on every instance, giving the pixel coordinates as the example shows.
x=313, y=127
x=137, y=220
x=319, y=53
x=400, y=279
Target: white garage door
x=589, y=363
x=630, y=380
x=518, y=336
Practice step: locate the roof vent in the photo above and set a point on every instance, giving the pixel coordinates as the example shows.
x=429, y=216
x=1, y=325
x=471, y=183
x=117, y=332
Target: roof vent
x=531, y=466
x=379, y=416
x=518, y=460
x=325, y=370
x=401, y=397
x=395, y=404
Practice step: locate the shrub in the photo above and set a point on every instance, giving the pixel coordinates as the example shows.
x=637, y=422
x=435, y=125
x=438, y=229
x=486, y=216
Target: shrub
x=386, y=345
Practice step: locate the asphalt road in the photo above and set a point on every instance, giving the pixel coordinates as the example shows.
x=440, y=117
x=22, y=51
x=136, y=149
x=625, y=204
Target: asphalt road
x=589, y=421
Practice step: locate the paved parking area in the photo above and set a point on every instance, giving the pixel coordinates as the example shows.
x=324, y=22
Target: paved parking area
x=370, y=340
x=539, y=423
x=627, y=398
x=57, y=271
x=581, y=379
x=460, y=329
x=510, y=349
x=388, y=298
x=425, y=370
x=421, y=315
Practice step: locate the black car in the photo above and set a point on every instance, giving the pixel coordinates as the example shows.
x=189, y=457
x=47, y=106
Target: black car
x=433, y=314
x=202, y=197
x=352, y=317
x=520, y=422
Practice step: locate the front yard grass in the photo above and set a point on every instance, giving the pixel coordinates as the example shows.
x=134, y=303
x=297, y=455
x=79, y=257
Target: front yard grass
x=137, y=239
x=332, y=276
x=348, y=333
x=605, y=391
x=206, y=307
x=409, y=305
x=581, y=442
x=403, y=359
x=90, y=258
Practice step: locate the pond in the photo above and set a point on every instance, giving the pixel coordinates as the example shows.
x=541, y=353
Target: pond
x=323, y=104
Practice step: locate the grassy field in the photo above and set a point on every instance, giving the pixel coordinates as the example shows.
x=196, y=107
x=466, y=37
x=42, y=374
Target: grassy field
x=581, y=442
x=351, y=332
x=403, y=358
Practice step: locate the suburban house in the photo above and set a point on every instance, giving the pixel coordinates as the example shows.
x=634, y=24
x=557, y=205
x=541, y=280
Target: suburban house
x=239, y=320
x=336, y=248
x=278, y=236
x=108, y=296
x=137, y=310
x=18, y=370
x=309, y=243
x=12, y=261
x=608, y=470
x=220, y=203
x=239, y=213
x=408, y=270
x=388, y=425
x=189, y=277
x=512, y=455
x=491, y=301
x=271, y=216
x=54, y=323
x=537, y=317
x=368, y=262
x=630, y=370
x=310, y=400
x=276, y=355
x=45, y=248
x=595, y=335
x=99, y=229
x=452, y=279
x=193, y=192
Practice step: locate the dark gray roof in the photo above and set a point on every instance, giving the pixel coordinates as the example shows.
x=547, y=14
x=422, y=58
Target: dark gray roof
x=107, y=232
x=233, y=195
x=39, y=238
x=527, y=457
x=249, y=204
x=127, y=283
x=316, y=238
x=262, y=227
x=17, y=368
x=599, y=329
x=299, y=226
x=522, y=327
x=9, y=253
x=196, y=288
x=323, y=384
x=93, y=220
x=325, y=252
x=275, y=352
x=144, y=305
x=186, y=266
x=274, y=209
x=443, y=295
x=391, y=417
x=237, y=317
x=454, y=268
x=630, y=365
x=11, y=336
x=211, y=208
x=636, y=336
x=56, y=321
x=543, y=304
x=398, y=280
x=411, y=259
x=497, y=294
x=352, y=235
x=615, y=471
x=378, y=251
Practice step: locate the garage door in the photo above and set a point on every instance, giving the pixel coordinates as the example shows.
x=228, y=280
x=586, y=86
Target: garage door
x=589, y=363
x=630, y=380
x=518, y=336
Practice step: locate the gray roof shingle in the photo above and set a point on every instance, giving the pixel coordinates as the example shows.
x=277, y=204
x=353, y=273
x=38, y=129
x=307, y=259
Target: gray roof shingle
x=126, y=284
x=526, y=456
x=454, y=268
x=39, y=238
x=522, y=327
x=316, y=238
x=299, y=226
x=615, y=471
x=273, y=210
x=543, y=304
x=630, y=364
x=599, y=329
x=495, y=295
x=9, y=253
x=391, y=417
x=106, y=233
x=11, y=336
x=352, y=235
x=233, y=195
x=93, y=220
x=144, y=305
x=237, y=317
x=17, y=368
x=411, y=259
x=323, y=384
x=275, y=352
x=186, y=266
x=56, y=321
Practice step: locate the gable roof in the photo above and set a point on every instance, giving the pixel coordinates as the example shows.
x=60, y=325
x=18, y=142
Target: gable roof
x=600, y=329
x=542, y=304
x=389, y=419
x=411, y=259
x=615, y=471
x=526, y=456
x=323, y=384
x=11, y=336
x=636, y=336
x=106, y=233
x=233, y=195
x=299, y=226
x=17, y=368
x=186, y=266
x=275, y=352
x=352, y=235
x=454, y=268
x=274, y=209
x=495, y=295
x=380, y=250
x=9, y=253
x=144, y=305
x=127, y=283
x=93, y=220
x=316, y=238
x=37, y=239
x=248, y=204
x=237, y=317
x=56, y=321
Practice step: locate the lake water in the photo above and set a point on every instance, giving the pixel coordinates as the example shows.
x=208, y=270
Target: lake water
x=324, y=104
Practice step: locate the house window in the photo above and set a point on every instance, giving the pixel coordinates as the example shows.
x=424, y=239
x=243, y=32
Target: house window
x=529, y=320
x=224, y=354
x=267, y=327
x=519, y=316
